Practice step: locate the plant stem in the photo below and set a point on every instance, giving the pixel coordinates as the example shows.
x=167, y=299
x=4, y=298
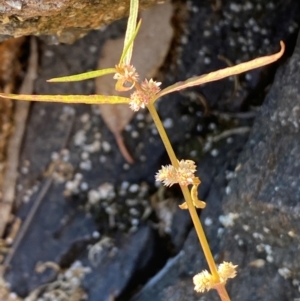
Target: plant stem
x=222, y=292
x=186, y=194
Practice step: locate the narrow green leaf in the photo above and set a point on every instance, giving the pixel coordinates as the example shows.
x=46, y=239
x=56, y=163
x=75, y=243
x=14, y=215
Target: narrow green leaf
x=130, y=43
x=88, y=99
x=222, y=73
x=82, y=76
x=131, y=28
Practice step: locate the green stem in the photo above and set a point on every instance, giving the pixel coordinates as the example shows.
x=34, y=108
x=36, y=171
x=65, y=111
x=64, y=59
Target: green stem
x=186, y=194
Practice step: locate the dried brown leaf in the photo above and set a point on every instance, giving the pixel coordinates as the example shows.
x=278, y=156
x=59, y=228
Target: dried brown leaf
x=150, y=48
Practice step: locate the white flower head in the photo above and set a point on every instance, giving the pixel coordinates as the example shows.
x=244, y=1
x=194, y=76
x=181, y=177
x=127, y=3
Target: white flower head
x=126, y=73
x=138, y=100
x=183, y=175
x=205, y=281
x=150, y=87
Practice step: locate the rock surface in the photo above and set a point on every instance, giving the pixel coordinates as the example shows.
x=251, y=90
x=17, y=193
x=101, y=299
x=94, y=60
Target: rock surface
x=265, y=196
x=59, y=20
x=212, y=136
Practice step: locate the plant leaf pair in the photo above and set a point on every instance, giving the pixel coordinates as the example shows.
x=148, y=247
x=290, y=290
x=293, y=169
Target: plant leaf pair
x=131, y=32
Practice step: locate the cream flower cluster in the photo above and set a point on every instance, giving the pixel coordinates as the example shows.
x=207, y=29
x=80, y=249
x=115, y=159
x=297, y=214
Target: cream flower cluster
x=126, y=73
x=183, y=175
x=205, y=281
x=140, y=98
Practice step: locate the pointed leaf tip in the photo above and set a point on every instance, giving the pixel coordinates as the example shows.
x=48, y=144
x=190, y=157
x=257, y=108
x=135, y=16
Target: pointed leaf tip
x=82, y=76
x=222, y=73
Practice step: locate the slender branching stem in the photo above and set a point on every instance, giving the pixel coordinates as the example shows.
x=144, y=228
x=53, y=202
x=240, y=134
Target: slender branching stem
x=187, y=196
x=221, y=289
x=163, y=134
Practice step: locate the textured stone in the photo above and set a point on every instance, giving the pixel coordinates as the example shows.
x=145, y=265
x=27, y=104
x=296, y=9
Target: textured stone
x=265, y=195
x=60, y=20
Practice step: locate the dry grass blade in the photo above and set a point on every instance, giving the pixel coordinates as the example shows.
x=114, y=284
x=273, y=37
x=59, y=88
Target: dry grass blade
x=217, y=75
x=87, y=99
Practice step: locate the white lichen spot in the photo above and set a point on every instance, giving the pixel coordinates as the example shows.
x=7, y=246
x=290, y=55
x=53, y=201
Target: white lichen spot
x=24, y=170
x=93, y=147
x=96, y=234
x=131, y=202
x=154, y=131
x=284, y=272
x=207, y=60
x=234, y=7
x=85, y=165
x=66, y=286
x=85, y=156
x=257, y=263
x=246, y=227
x=228, y=190
x=93, y=197
x=102, y=159
x=291, y=234
x=208, y=221
x=49, y=53
x=168, y=123
x=85, y=118
x=134, y=222
x=134, y=212
x=93, y=48
x=133, y=188
x=257, y=235
x=84, y=186
x=229, y=140
x=228, y=220
x=214, y=152
x=270, y=258
x=134, y=134
x=220, y=232
x=106, y=191
x=79, y=137
x=248, y=77
x=128, y=128
x=126, y=166
x=101, y=250
x=106, y=146
x=206, y=33
x=184, y=40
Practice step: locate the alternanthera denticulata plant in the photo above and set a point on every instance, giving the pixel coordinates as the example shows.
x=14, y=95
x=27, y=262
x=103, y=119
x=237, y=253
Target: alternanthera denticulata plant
x=144, y=95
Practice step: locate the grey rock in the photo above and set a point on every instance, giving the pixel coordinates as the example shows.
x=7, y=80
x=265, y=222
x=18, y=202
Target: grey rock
x=265, y=196
x=57, y=228
x=113, y=274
